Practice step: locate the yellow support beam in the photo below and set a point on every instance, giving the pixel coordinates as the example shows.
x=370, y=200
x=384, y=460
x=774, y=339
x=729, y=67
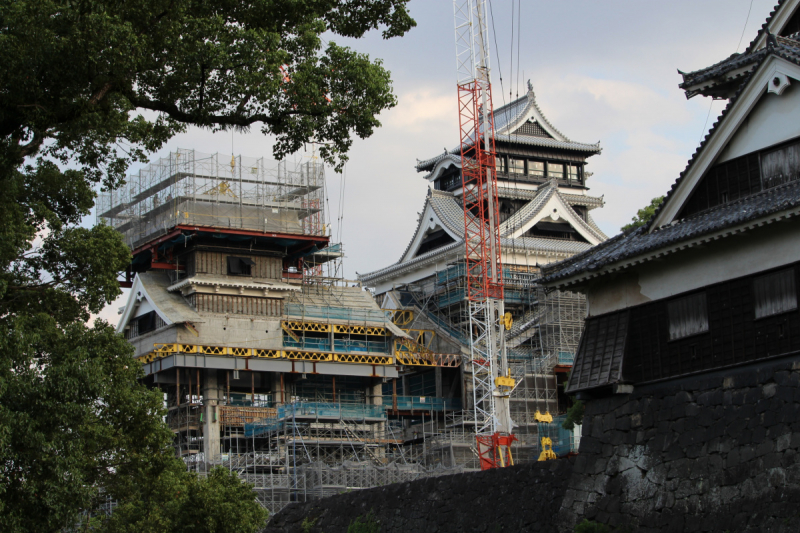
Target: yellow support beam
x=364, y=359
x=450, y=360
x=285, y=327
x=305, y=326
x=164, y=350
x=401, y=317
x=360, y=330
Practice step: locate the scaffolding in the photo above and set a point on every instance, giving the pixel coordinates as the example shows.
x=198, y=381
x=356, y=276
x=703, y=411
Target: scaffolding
x=216, y=191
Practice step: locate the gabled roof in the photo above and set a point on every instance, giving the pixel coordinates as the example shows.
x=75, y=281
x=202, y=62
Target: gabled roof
x=740, y=105
x=508, y=120
x=447, y=213
x=665, y=233
x=638, y=246
x=152, y=287
x=541, y=206
x=723, y=78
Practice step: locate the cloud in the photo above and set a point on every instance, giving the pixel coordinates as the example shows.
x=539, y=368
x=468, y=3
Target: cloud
x=416, y=110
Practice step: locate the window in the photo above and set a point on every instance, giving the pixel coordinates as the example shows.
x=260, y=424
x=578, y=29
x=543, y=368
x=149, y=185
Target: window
x=501, y=164
x=146, y=323
x=555, y=171
x=516, y=165
x=573, y=173
x=536, y=168
x=687, y=316
x=775, y=293
x=240, y=266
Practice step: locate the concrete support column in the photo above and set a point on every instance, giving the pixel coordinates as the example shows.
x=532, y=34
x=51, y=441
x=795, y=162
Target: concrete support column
x=377, y=394
x=277, y=388
x=437, y=374
x=211, y=400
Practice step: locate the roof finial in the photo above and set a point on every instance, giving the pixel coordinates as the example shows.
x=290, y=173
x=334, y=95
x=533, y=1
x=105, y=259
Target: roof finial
x=530, y=86
x=772, y=41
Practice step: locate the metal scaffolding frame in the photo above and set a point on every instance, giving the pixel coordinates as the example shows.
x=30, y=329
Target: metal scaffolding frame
x=219, y=191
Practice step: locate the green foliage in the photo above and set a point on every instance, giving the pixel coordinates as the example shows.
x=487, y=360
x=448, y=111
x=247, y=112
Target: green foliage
x=368, y=525
x=180, y=502
x=590, y=526
x=308, y=524
x=88, y=88
x=77, y=74
x=574, y=415
x=644, y=215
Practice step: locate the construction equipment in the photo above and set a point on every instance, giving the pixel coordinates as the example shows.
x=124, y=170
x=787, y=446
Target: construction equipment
x=547, y=450
x=484, y=272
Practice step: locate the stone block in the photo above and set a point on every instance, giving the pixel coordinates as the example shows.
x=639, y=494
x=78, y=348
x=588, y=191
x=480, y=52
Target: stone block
x=765, y=374
x=764, y=447
x=623, y=423
x=768, y=390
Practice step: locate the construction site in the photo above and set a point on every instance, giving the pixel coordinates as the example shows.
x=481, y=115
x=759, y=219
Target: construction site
x=306, y=384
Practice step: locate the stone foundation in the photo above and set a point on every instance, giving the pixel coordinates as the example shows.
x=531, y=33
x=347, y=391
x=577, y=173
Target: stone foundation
x=717, y=452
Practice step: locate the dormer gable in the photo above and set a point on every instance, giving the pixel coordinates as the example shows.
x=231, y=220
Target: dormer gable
x=749, y=143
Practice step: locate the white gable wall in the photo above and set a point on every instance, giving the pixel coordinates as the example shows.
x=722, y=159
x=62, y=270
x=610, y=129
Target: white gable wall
x=773, y=120
x=764, y=248
x=754, y=94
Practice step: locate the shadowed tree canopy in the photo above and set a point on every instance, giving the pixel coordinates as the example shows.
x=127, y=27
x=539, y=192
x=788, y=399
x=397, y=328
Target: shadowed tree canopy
x=86, y=89
x=77, y=73
x=644, y=215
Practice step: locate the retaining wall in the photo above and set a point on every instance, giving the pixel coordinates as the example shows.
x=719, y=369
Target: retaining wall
x=523, y=498
x=716, y=452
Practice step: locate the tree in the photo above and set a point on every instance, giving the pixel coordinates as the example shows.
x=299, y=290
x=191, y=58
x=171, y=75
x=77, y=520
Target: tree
x=89, y=87
x=644, y=215
x=574, y=415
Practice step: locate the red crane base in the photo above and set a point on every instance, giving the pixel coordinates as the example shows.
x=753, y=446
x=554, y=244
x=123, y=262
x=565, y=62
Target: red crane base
x=494, y=451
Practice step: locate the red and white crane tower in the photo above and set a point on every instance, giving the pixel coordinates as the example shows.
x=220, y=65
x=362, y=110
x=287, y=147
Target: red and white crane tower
x=491, y=382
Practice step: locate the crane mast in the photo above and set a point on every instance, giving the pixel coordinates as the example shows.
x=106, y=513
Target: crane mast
x=491, y=382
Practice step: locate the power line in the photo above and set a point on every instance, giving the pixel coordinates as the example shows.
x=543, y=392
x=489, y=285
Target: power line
x=745, y=26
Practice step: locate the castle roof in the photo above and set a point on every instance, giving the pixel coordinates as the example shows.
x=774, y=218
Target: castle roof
x=523, y=122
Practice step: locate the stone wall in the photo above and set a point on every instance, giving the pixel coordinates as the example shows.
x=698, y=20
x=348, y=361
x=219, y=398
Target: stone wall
x=523, y=498
x=716, y=452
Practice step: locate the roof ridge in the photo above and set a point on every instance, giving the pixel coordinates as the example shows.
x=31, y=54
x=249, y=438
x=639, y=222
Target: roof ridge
x=711, y=132
x=532, y=97
x=764, y=26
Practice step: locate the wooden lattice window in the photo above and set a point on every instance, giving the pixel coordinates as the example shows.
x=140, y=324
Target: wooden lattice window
x=687, y=316
x=775, y=293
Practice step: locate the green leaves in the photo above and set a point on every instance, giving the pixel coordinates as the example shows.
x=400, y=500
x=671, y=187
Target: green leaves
x=90, y=87
x=644, y=215
x=77, y=70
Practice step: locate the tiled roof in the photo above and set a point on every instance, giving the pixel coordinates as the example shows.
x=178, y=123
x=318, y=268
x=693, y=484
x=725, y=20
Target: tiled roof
x=508, y=117
x=729, y=64
x=450, y=212
x=749, y=60
x=639, y=242
x=765, y=25
x=529, y=210
x=779, y=52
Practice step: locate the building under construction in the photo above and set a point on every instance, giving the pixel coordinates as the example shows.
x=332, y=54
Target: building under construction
x=307, y=385
x=544, y=215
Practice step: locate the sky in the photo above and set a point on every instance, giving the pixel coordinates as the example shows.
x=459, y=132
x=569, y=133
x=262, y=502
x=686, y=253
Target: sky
x=602, y=71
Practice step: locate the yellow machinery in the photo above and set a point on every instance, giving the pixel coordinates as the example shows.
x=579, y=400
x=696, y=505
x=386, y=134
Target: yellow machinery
x=547, y=450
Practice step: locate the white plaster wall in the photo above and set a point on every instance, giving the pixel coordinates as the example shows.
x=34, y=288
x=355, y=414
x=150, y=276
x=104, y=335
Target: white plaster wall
x=774, y=119
x=143, y=308
x=764, y=248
